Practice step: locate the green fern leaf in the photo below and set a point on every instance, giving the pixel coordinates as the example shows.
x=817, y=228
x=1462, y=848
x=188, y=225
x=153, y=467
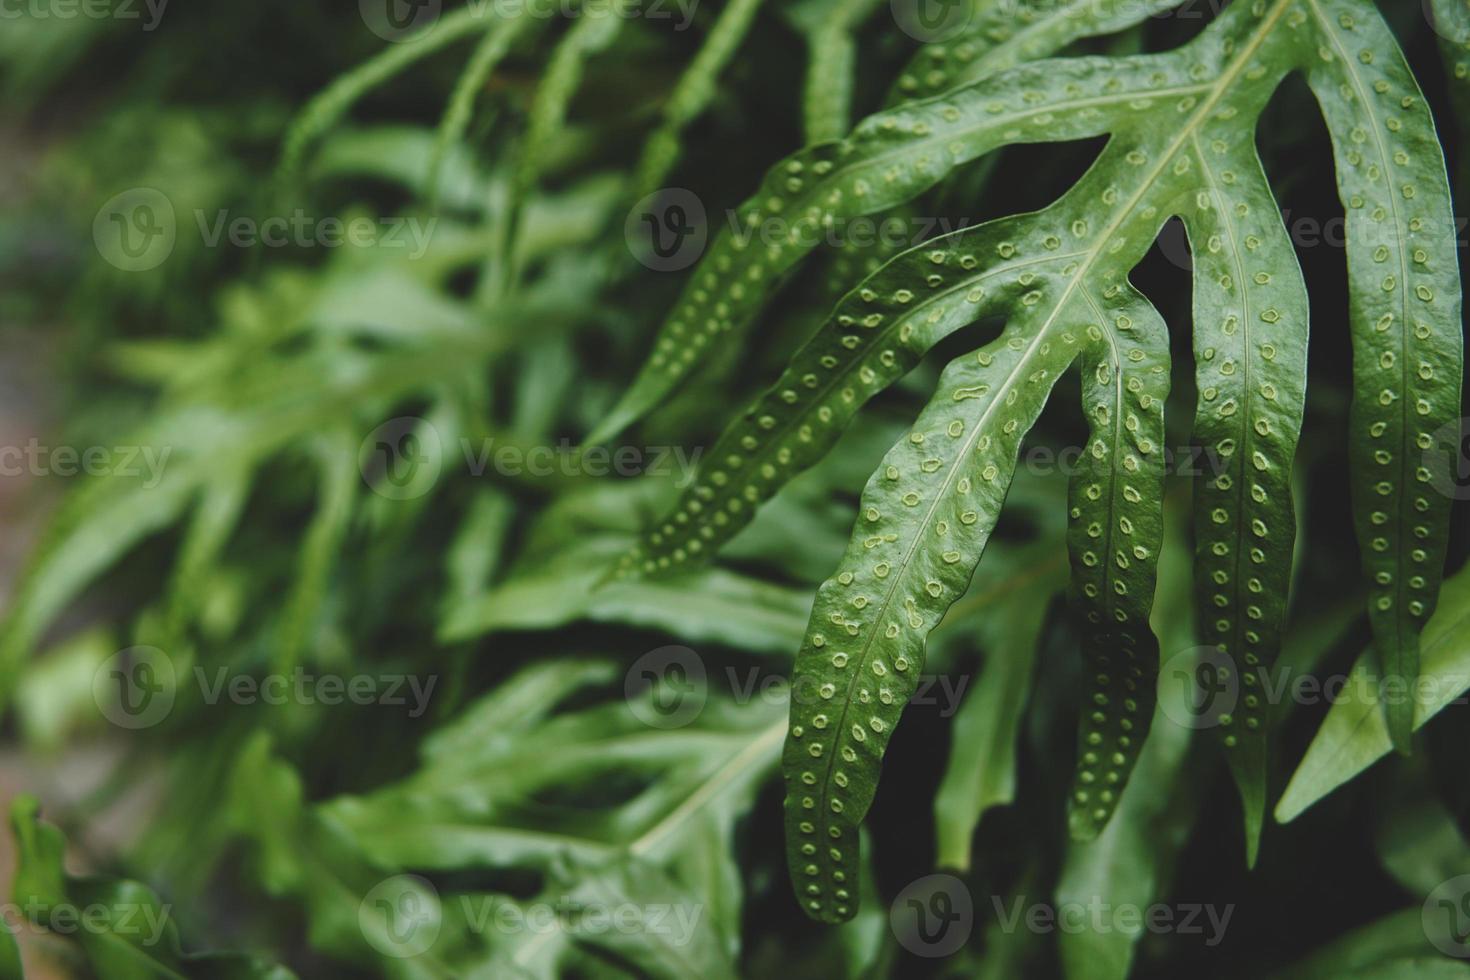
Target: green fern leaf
x=827, y=105
x=1404, y=283
x=925, y=518
x=329, y=107
x=694, y=90
x=493, y=48
x=594, y=29
x=339, y=485
x=1002, y=35
x=1250, y=347
x=867, y=174
x=997, y=37
x=1182, y=144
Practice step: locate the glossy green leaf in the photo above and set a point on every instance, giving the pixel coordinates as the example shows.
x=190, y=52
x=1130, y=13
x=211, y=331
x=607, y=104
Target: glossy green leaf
x=1182, y=144
x=1404, y=288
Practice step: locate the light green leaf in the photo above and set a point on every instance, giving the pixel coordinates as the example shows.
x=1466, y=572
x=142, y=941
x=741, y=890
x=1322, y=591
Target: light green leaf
x=1354, y=734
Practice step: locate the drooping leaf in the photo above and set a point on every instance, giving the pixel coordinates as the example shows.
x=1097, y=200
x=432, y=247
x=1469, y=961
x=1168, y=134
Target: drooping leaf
x=1131, y=863
x=1182, y=144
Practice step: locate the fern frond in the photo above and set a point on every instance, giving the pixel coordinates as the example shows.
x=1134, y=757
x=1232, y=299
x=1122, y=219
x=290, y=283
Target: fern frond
x=925, y=518
x=1452, y=23
x=327, y=108
x=991, y=42
x=890, y=158
x=595, y=27
x=693, y=91
x=879, y=331
x=340, y=479
x=221, y=502
x=1250, y=351
x=1002, y=35
x=1182, y=144
x=1404, y=286
x=827, y=103
x=492, y=49
x=1116, y=509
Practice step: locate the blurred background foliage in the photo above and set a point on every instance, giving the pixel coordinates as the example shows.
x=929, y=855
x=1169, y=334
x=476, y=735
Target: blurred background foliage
x=268, y=543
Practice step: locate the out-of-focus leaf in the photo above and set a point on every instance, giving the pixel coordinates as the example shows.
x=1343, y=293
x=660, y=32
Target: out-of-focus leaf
x=714, y=605
x=1354, y=736
x=1131, y=861
x=54, y=696
x=125, y=930
x=1418, y=841
x=1011, y=601
x=1392, y=948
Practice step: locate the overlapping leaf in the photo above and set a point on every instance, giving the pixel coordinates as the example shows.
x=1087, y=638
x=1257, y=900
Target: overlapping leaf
x=1182, y=128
